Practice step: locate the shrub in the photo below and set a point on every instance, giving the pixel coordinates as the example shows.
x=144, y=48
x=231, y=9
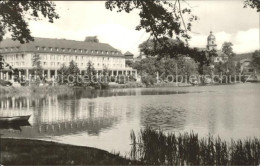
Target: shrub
x=5, y=83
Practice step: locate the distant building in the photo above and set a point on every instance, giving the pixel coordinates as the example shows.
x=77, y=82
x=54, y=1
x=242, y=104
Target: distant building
x=129, y=56
x=211, y=45
x=55, y=53
x=246, y=66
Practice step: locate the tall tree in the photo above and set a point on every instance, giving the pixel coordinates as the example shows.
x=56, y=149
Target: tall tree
x=227, y=48
x=256, y=59
x=14, y=16
x=37, y=68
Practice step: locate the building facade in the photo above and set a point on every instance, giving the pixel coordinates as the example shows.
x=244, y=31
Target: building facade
x=54, y=53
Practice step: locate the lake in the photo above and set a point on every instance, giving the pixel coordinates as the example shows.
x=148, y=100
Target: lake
x=105, y=118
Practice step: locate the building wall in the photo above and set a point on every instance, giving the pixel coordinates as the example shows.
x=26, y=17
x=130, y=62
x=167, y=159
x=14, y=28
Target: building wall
x=55, y=61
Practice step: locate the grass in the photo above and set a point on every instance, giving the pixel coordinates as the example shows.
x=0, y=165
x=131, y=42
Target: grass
x=35, y=152
x=155, y=147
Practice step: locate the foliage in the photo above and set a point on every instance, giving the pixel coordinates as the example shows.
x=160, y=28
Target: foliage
x=69, y=75
x=228, y=50
x=169, y=48
x=36, y=63
x=149, y=67
x=159, y=18
x=253, y=4
x=154, y=147
x=5, y=83
x=129, y=63
x=92, y=39
x=14, y=16
x=256, y=59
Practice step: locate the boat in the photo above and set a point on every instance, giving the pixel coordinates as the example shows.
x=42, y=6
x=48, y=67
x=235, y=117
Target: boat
x=14, y=119
x=14, y=126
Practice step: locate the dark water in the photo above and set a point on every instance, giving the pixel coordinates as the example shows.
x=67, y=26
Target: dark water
x=104, y=119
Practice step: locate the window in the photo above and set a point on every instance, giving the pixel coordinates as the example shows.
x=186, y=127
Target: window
x=57, y=49
x=97, y=51
x=11, y=49
x=0, y=49
x=50, y=49
x=86, y=51
x=22, y=56
x=63, y=50
x=69, y=49
x=38, y=48
x=92, y=51
x=44, y=48
x=75, y=50
x=80, y=50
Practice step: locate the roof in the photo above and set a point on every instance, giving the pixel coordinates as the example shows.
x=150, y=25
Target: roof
x=63, y=46
x=128, y=54
x=245, y=60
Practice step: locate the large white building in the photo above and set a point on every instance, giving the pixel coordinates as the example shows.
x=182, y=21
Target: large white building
x=53, y=53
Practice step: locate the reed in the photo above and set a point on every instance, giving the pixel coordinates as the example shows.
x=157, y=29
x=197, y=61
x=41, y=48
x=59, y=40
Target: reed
x=157, y=148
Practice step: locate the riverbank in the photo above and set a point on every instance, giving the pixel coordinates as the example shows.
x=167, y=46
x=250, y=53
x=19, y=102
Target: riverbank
x=64, y=89
x=36, y=152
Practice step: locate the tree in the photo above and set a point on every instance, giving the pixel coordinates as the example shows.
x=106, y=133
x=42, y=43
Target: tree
x=165, y=19
x=14, y=16
x=228, y=50
x=256, y=60
x=91, y=71
x=92, y=39
x=169, y=48
x=37, y=68
x=159, y=18
x=129, y=63
x=253, y=4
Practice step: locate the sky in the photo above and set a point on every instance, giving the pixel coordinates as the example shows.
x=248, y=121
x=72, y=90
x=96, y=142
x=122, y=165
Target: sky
x=228, y=20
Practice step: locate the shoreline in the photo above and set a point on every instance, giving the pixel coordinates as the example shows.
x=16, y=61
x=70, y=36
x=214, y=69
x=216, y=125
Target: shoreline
x=39, y=152
x=64, y=89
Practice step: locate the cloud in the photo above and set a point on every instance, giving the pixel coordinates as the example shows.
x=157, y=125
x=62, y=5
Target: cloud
x=243, y=41
x=80, y=19
x=247, y=41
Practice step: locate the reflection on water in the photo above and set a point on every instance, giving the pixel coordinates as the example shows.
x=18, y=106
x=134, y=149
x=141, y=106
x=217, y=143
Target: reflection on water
x=105, y=118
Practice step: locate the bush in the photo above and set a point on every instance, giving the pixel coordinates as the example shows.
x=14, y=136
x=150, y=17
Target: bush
x=5, y=83
x=148, y=80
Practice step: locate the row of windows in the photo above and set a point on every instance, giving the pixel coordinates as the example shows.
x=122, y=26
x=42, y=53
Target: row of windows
x=80, y=58
x=14, y=57
x=63, y=50
x=54, y=64
x=17, y=64
x=9, y=49
x=76, y=50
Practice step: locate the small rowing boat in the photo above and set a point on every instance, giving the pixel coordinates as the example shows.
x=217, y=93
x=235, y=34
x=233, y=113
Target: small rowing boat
x=14, y=119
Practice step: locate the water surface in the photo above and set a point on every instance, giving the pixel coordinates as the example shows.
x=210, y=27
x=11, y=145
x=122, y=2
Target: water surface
x=104, y=119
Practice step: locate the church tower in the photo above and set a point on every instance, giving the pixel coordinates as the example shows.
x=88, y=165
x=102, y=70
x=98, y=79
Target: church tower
x=211, y=42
